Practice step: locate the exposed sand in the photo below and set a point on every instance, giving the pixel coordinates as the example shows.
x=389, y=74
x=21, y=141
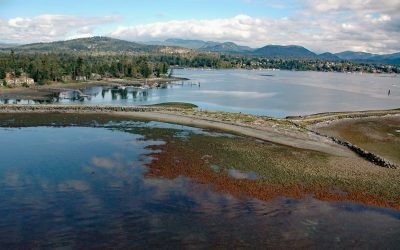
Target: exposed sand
x=294, y=138
x=269, y=130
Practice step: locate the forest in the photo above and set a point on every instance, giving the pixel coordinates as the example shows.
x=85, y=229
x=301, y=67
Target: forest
x=63, y=66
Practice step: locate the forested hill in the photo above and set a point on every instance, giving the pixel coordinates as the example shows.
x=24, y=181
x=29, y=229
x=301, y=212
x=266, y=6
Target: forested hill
x=368, y=57
x=92, y=44
x=107, y=45
x=227, y=47
x=278, y=51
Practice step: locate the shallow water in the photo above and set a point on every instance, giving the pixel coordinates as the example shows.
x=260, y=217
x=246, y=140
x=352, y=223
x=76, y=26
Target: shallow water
x=80, y=187
x=263, y=92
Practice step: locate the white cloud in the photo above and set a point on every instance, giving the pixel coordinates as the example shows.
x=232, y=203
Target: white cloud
x=321, y=32
x=353, y=5
x=241, y=28
x=49, y=27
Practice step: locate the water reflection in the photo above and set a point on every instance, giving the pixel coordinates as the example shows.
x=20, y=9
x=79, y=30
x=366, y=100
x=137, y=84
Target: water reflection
x=22, y=101
x=77, y=187
x=239, y=174
x=276, y=93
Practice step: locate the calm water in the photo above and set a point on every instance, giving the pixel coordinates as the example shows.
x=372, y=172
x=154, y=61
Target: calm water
x=78, y=187
x=276, y=93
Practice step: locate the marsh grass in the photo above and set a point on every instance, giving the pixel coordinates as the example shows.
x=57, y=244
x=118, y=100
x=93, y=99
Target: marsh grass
x=377, y=135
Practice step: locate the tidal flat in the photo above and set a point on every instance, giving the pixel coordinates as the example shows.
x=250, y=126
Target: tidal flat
x=78, y=180
x=281, y=170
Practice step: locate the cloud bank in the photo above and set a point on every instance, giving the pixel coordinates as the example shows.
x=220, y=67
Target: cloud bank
x=50, y=27
x=331, y=25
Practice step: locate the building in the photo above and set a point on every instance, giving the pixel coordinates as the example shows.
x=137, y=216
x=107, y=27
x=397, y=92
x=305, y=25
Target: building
x=80, y=78
x=18, y=81
x=95, y=76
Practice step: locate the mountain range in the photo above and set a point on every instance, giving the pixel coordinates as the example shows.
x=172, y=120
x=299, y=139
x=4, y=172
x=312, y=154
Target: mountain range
x=279, y=51
x=106, y=44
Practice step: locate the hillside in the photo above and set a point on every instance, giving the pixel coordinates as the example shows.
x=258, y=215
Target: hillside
x=183, y=43
x=369, y=57
x=389, y=58
x=351, y=55
x=226, y=47
x=190, y=44
x=106, y=44
x=8, y=45
x=212, y=46
x=92, y=44
x=329, y=56
x=279, y=51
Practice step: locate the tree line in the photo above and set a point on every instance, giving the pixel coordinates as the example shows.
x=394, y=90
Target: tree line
x=44, y=67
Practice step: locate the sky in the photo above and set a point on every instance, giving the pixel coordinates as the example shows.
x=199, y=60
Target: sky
x=319, y=25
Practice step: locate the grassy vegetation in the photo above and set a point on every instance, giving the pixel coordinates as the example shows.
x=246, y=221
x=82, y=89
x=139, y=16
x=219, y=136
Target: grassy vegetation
x=291, y=171
x=377, y=135
x=277, y=164
x=331, y=116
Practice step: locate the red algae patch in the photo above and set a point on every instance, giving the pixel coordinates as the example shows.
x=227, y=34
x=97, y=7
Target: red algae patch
x=172, y=162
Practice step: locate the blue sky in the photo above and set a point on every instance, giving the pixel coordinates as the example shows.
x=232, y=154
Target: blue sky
x=329, y=25
x=138, y=12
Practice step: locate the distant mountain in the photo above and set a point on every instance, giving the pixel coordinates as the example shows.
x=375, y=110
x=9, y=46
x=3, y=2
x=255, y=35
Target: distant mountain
x=226, y=47
x=389, y=58
x=329, y=56
x=279, y=51
x=92, y=44
x=189, y=44
x=369, y=57
x=8, y=45
x=106, y=44
x=351, y=55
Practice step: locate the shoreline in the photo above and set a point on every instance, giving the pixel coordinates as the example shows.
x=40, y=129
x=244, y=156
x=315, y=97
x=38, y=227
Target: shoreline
x=308, y=163
x=45, y=92
x=294, y=129
x=297, y=132
x=272, y=130
x=331, y=166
